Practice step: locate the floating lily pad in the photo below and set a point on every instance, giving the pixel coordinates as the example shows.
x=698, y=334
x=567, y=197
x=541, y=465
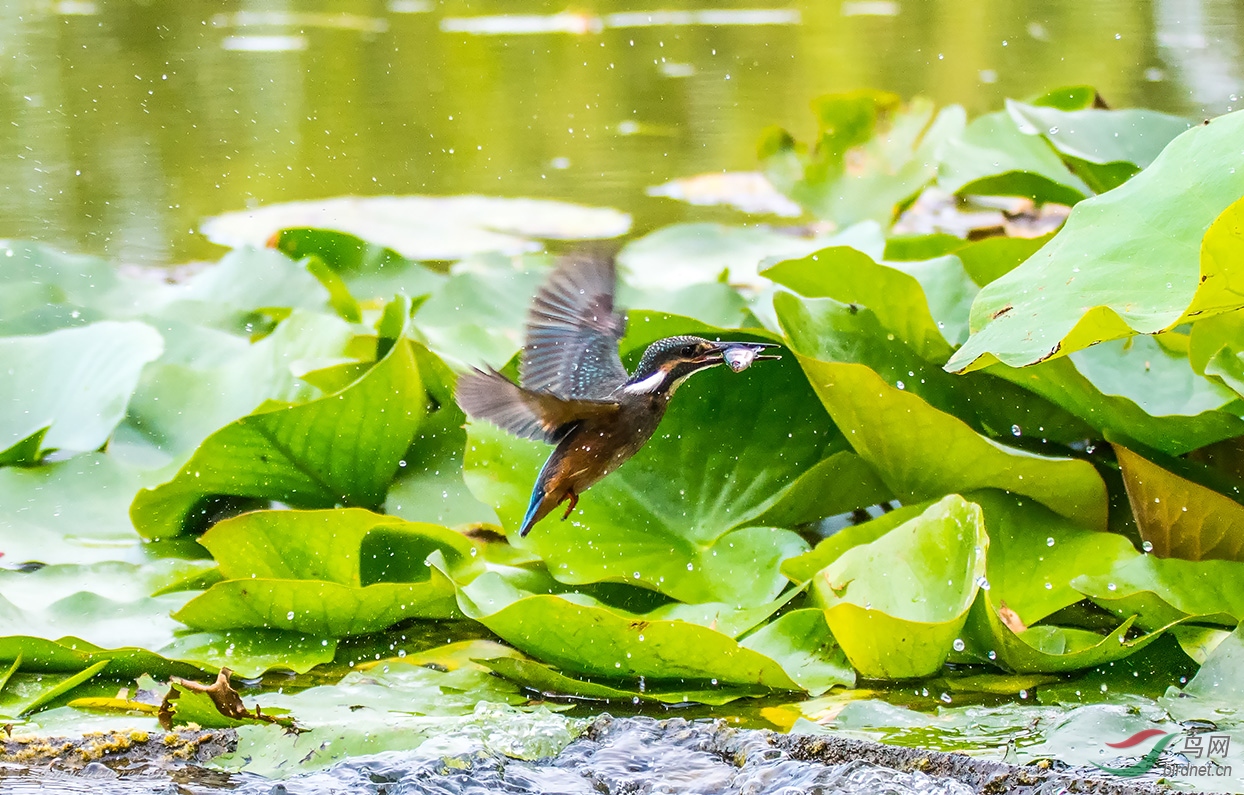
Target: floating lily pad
x=67, y=390
x=896, y=604
x=426, y=227
x=1039, y=310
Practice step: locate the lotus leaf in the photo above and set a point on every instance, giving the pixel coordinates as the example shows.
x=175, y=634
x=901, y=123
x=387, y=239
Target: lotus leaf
x=1045, y=648
x=922, y=453
x=1179, y=518
x=1069, y=295
x=583, y=637
x=277, y=575
x=871, y=155
x=343, y=448
x=67, y=390
x=896, y=604
x=1162, y=591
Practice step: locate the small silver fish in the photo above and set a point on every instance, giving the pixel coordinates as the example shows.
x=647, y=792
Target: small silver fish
x=740, y=357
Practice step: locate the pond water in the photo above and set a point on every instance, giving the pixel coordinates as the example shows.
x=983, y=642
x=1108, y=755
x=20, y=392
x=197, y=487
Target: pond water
x=127, y=123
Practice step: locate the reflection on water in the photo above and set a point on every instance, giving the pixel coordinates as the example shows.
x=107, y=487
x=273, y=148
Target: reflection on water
x=127, y=123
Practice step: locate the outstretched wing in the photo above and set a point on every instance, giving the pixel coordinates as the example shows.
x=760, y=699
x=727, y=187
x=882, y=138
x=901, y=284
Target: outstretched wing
x=532, y=415
x=573, y=333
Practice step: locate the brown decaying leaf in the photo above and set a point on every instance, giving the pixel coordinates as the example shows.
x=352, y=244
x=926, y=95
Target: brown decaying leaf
x=1011, y=619
x=1181, y=519
x=223, y=696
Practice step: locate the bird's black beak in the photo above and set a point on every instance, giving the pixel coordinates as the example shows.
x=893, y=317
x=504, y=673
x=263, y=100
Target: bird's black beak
x=740, y=355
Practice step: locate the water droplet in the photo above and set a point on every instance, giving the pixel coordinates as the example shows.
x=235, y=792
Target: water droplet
x=1049, y=542
x=959, y=644
x=982, y=583
x=900, y=385
x=1111, y=586
x=1049, y=586
x=289, y=616
x=993, y=655
x=1147, y=546
x=1015, y=430
x=945, y=698
x=1053, y=131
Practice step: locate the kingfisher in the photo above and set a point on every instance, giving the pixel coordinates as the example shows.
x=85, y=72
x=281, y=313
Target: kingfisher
x=575, y=392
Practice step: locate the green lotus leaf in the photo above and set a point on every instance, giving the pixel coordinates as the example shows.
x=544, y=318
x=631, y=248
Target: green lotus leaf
x=1035, y=554
x=73, y=511
x=993, y=157
x=95, y=618
x=1161, y=591
x=277, y=575
x=580, y=636
x=895, y=605
x=801, y=641
x=681, y=517
x=923, y=303
x=831, y=331
x=803, y=568
x=39, y=588
x=1179, y=518
x=372, y=272
x=547, y=681
x=892, y=152
x=1069, y=295
x=168, y=409
x=250, y=653
x=70, y=654
x=342, y=449
x=837, y=484
x=1045, y=648
x=1104, y=147
x=684, y=255
x=67, y=390
x=1199, y=642
x=986, y=260
x=1061, y=382
x=1220, y=677
x=920, y=452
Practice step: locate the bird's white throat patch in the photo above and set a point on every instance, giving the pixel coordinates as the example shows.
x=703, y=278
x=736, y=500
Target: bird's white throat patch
x=647, y=386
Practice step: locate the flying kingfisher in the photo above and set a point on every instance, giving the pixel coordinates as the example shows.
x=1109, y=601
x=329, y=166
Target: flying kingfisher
x=576, y=393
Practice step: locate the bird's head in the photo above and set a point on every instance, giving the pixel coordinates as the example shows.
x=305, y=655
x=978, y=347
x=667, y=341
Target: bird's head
x=670, y=361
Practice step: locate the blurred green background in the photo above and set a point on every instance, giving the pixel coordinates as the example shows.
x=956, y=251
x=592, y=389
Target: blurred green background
x=123, y=124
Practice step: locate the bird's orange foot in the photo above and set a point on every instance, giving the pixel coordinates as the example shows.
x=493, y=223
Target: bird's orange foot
x=574, y=500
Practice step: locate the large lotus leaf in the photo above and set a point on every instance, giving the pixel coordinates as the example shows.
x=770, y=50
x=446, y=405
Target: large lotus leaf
x=73, y=511
x=986, y=260
x=1060, y=382
x=74, y=654
x=96, y=619
x=896, y=604
x=429, y=486
x=67, y=390
x=426, y=227
x=852, y=277
x=83, y=285
x=1179, y=518
x=1105, y=147
x=994, y=158
x=243, y=281
x=1161, y=591
x=923, y=453
x=837, y=484
x=802, y=568
x=342, y=449
x=584, y=637
x=870, y=156
x=1221, y=678
x=681, y=516
x=1034, y=554
x=37, y=589
x=1046, y=648
x=685, y=255
x=372, y=271
x=169, y=407
x=250, y=653
x=279, y=575
x=801, y=641
x=1069, y=295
